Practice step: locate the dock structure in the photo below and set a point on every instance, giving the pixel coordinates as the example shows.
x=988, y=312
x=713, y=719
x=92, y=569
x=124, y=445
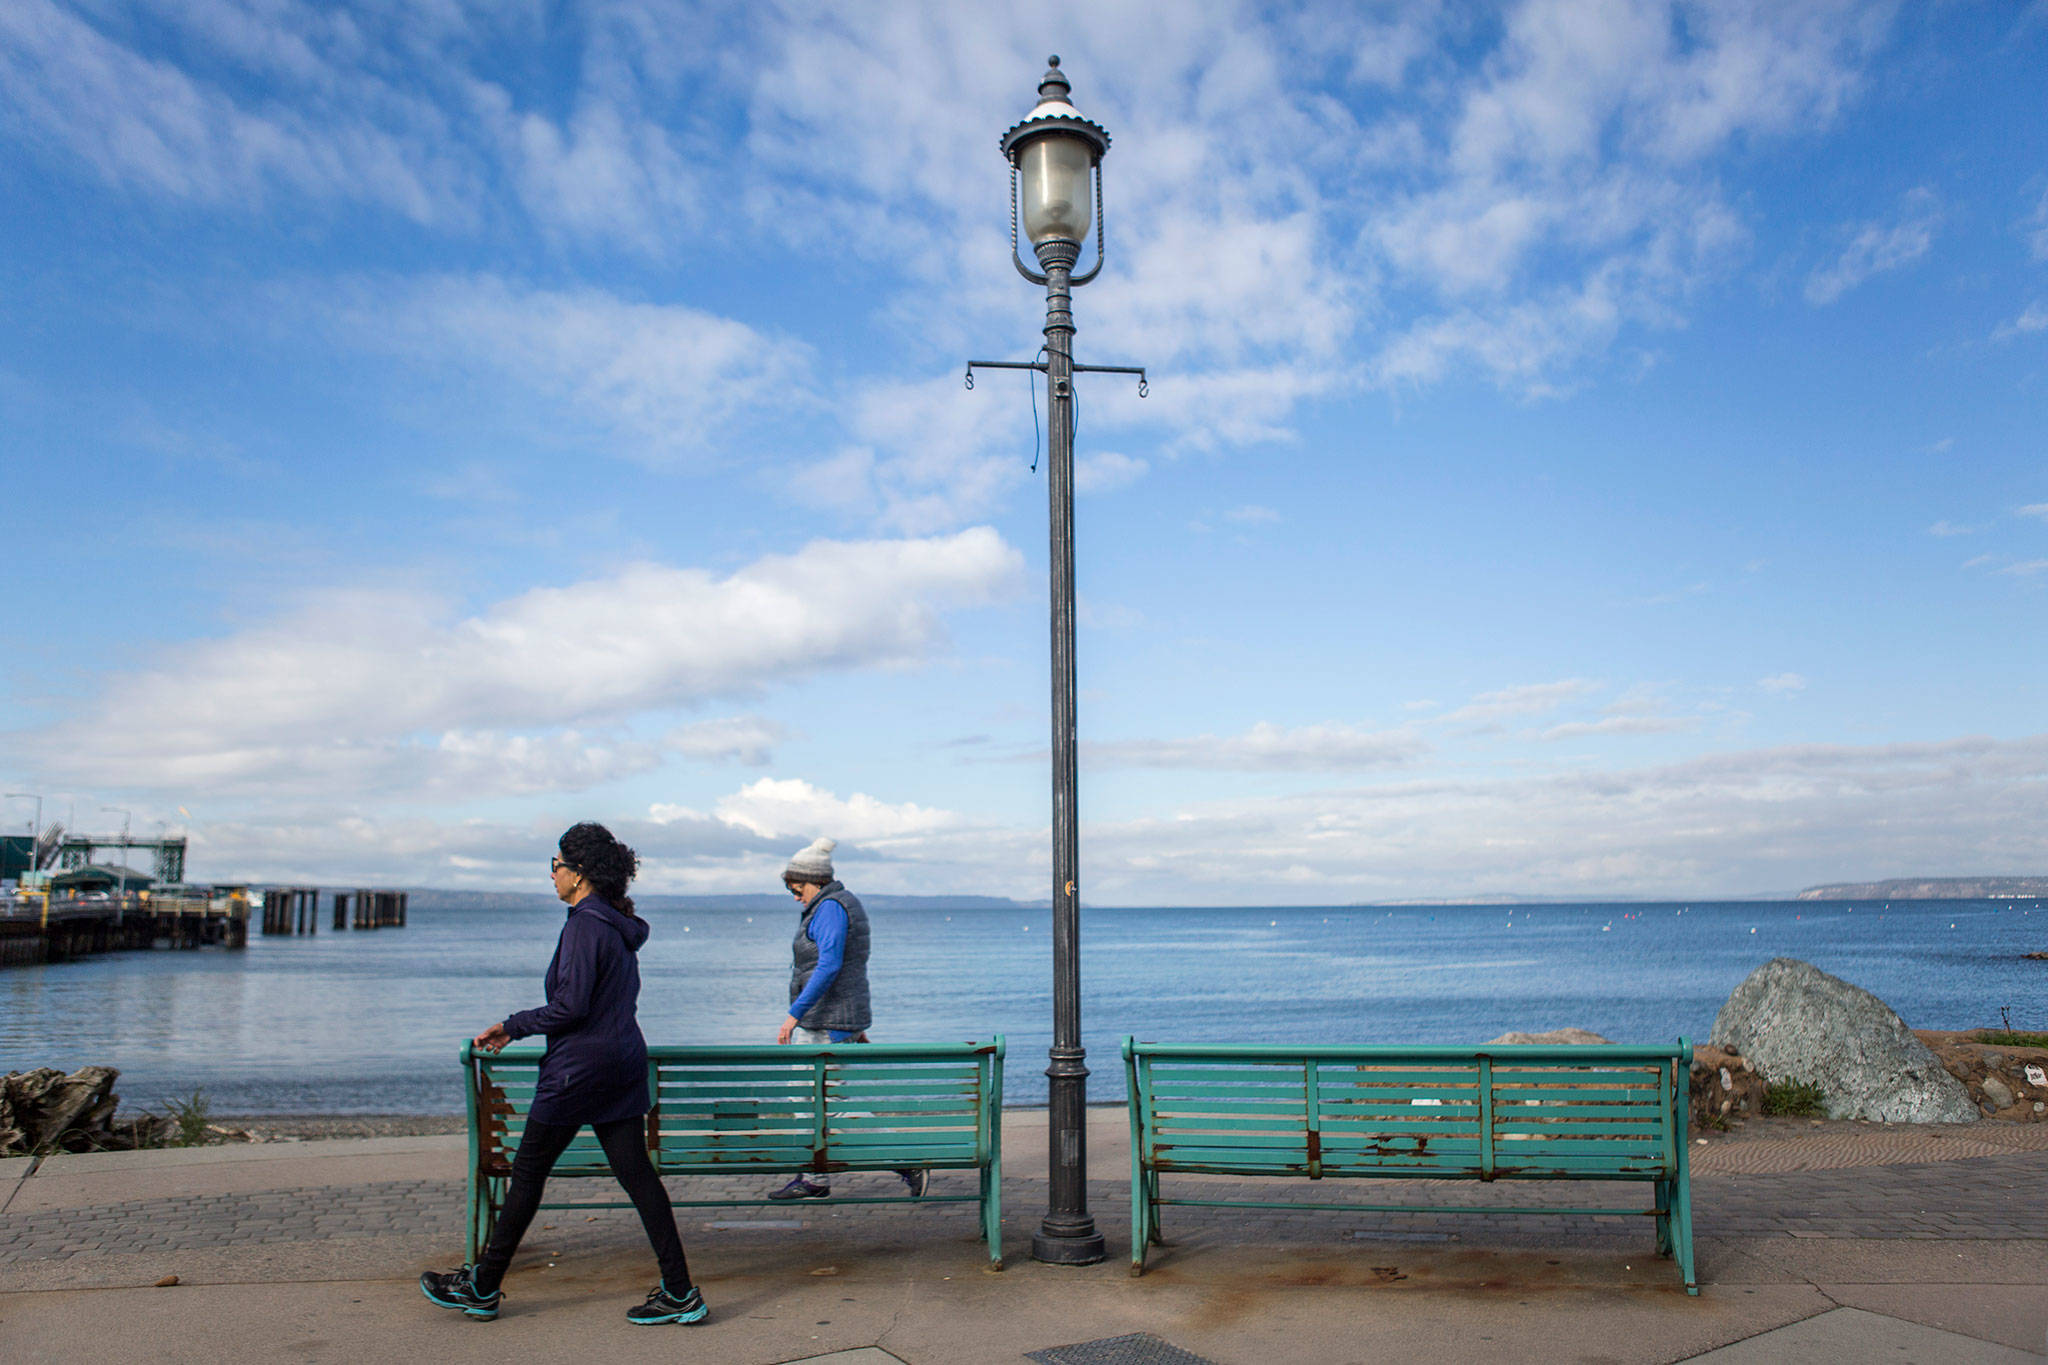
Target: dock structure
x=291, y=910
x=39, y=929
x=376, y=909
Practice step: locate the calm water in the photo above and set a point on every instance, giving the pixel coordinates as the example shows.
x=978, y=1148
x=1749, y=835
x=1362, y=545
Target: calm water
x=371, y=1022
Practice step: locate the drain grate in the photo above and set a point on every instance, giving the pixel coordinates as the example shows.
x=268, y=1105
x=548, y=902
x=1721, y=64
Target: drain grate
x=1139, y=1348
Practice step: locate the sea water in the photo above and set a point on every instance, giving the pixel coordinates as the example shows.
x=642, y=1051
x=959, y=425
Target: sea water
x=371, y=1022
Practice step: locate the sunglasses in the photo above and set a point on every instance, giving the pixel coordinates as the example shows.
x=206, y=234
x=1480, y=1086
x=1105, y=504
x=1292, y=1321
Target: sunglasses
x=556, y=865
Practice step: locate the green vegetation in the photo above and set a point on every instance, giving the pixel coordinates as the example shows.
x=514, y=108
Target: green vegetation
x=191, y=1117
x=2010, y=1038
x=2005, y=1035
x=1795, y=1099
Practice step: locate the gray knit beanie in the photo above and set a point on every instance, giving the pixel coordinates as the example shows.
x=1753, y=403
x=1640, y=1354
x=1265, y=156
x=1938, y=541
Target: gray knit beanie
x=812, y=864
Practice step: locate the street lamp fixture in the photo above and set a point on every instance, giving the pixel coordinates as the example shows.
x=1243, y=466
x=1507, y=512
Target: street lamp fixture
x=1054, y=154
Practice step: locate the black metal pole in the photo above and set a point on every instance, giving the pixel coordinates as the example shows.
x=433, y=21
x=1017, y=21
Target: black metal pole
x=1068, y=1235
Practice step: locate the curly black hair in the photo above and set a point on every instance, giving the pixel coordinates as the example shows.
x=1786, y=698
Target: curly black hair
x=607, y=864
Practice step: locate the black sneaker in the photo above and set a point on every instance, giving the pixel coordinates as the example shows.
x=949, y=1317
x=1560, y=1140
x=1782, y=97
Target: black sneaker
x=917, y=1182
x=800, y=1188
x=457, y=1289
x=662, y=1306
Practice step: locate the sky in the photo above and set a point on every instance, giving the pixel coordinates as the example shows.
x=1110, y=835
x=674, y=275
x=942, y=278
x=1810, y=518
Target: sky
x=1593, y=447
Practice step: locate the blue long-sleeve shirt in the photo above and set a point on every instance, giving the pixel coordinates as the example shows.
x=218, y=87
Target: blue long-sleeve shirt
x=827, y=929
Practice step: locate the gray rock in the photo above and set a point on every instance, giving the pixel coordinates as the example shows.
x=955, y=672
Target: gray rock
x=1997, y=1091
x=1556, y=1035
x=1797, y=1023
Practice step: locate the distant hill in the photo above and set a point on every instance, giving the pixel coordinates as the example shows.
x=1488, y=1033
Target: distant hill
x=1931, y=889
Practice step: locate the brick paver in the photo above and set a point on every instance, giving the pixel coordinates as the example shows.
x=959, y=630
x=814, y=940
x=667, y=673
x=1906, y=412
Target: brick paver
x=1984, y=1198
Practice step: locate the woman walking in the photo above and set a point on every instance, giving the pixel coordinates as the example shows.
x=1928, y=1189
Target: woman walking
x=595, y=1073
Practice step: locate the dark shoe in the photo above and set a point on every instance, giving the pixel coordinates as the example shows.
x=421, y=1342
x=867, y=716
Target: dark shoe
x=662, y=1306
x=917, y=1182
x=457, y=1289
x=800, y=1188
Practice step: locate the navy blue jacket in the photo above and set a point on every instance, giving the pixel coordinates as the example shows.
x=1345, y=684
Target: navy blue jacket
x=595, y=1070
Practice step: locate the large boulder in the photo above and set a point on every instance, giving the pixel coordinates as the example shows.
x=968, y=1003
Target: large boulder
x=1794, y=1022
x=1573, y=1036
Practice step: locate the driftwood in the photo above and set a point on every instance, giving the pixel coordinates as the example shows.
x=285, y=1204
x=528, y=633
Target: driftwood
x=45, y=1110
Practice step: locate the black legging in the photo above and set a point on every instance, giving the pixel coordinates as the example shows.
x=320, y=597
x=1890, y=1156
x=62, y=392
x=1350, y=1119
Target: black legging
x=625, y=1148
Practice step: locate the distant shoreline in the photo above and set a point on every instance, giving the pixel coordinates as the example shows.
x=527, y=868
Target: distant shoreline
x=1932, y=889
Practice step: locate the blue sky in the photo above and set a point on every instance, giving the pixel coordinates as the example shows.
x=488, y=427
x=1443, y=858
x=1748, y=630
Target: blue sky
x=1593, y=448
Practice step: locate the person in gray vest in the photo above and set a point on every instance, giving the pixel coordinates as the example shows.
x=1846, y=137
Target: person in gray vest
x=828, y=980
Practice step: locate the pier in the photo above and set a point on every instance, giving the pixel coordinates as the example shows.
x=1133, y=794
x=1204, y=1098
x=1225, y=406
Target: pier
x=59, y=928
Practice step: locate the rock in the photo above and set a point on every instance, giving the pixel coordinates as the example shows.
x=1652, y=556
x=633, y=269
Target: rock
x=1998, y=1092
x=1797, y=1023
x=44, y=1108
x=1725, y=1087
x=167, y=1282
x=1555, y=1036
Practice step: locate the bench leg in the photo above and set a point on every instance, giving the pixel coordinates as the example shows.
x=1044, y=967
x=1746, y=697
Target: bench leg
x=992, y=1212
x=1152, y=1208
x=1681, y=1235
x=1663, y=1218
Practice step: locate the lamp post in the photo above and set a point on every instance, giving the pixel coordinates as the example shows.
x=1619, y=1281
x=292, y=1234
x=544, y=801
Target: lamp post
x=1053, y=154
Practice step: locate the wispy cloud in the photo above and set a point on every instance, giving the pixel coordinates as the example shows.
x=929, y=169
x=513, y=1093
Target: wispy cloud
x=656, y=381
x=1266, y=748
x=1950, y=528
x=1106, y=471
x=1782, y=683
x=2034, y=319
x=1252, y=514
x=2035, y=229
x=1878, y=247
x=2033, y=509
x=76, y=86
x=1530, y=699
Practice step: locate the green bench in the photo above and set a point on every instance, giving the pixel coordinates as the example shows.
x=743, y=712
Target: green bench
x=766, y=1110
x=1595, y=1112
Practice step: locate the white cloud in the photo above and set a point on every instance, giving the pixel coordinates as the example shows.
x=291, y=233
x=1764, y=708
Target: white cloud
x=1762, y=820
x=1106, y=471
x=788, y=808
x=734, y=739
x=1782, y=682
x=2034, y=509
x=73, y=86
x=1265, y=747
x=1252, y=514
x=1950, y=528
x=1530, y=699
x=2034, y=319
x=2026, y=568
x=1732, y=823
x=2036, y=229
x=1568, y=192
x=355, y=679
x=1619, y=725
x=1878, y=247
x=658, y=380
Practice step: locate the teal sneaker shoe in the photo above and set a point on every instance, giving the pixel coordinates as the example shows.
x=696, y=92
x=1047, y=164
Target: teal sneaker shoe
x=457, y=1289
x=662, y=1306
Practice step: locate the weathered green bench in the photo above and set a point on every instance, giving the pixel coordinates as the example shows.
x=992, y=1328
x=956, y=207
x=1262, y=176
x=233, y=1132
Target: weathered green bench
x=1595, y=1112
x=762, y=1110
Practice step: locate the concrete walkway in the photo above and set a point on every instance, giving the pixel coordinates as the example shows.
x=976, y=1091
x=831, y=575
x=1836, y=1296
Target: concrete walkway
x=309, y=1251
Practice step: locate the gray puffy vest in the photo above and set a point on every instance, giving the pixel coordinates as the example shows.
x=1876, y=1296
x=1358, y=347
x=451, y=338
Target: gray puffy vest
x=844, y=1007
